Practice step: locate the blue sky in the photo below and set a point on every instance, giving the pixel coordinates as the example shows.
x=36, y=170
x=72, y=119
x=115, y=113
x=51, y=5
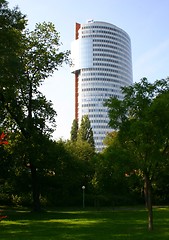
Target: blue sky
x=145, y=21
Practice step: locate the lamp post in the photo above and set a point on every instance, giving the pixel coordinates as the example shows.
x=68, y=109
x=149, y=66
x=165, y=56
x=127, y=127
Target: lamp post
x=83, y=189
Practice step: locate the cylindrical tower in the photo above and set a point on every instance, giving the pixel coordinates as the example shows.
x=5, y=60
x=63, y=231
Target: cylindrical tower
x=102, y=64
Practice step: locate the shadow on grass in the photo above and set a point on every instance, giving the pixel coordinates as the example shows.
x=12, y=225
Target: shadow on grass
x=80, y=225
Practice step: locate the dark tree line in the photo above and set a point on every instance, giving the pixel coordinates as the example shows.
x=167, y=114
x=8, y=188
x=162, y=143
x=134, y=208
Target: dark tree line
x=27, y=59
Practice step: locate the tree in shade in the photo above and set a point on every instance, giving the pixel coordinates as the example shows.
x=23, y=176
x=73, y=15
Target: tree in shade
x=141, y=120
x=28, y=58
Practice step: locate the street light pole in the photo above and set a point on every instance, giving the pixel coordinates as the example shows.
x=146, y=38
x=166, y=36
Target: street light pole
x=83, y=188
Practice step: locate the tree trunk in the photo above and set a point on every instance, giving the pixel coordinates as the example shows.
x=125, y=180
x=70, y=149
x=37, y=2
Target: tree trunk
x=35, y=189
x=35, y=184
x=148, y=201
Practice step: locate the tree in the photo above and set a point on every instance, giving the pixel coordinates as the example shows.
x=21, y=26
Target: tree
x=74, y=131
x=142, y=123
x=111, y=183
x=35, y=56
x=85, y=132
x=60, y=173
x=82, y=153
x=12, y=23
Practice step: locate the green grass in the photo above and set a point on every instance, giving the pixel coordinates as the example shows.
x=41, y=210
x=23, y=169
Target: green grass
x=88, y=224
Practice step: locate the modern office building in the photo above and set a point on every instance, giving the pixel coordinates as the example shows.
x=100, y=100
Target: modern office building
x=102, y=64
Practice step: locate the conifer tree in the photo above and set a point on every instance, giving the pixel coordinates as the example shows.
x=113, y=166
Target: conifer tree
x=74, y=131
x=85, y=132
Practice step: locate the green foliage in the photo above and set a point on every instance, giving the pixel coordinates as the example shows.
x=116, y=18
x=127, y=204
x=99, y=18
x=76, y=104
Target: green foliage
x=82, y=152
x=62, y=176
x=85, y=132
x=29, y=58
x=138, y=119
x=32, y=165
x=42, y=54
x=12, y=23
x=143, y=126
x=74, y=130
x=114, y=176
x=27, y=107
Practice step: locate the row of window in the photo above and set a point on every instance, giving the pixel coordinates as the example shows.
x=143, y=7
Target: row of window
x=125, y=57
x=112, y=56
x=96, y=70
x=124, y=71
x=103, y=110
x=95, y=107
x=100, y=134
x=87, y=111
x=100, y=83
x=106, y=34
x=97, y=116
x=99, y=144
x=100, y=89
x=105, y=74
x=121, y=72
x=103, y=81
x=113, y=29
x=93, y=35
x=96, y=98
x=98, y=121
x=94, y=73
x=113, y=43
x=88, y=95
x=109, y=60
x=99, y=139
x=121, y=52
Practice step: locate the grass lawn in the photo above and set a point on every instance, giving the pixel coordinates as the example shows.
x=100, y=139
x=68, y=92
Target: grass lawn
x=88, y=224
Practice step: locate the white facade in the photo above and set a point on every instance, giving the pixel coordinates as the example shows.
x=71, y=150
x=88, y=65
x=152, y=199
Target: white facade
x=102, y=64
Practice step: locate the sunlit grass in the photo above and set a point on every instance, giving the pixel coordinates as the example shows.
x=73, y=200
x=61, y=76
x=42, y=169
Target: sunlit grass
x=79, y=225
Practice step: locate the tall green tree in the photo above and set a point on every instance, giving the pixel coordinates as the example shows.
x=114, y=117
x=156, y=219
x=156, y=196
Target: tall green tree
x=85, y=132
x=34, y=57
x=142, y=123
x=74, y=130
x=12, y=23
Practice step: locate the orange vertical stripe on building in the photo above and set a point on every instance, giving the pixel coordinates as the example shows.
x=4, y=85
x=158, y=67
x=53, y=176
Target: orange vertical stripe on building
x=76, y=77
x=77, y=29
x=76, y=96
